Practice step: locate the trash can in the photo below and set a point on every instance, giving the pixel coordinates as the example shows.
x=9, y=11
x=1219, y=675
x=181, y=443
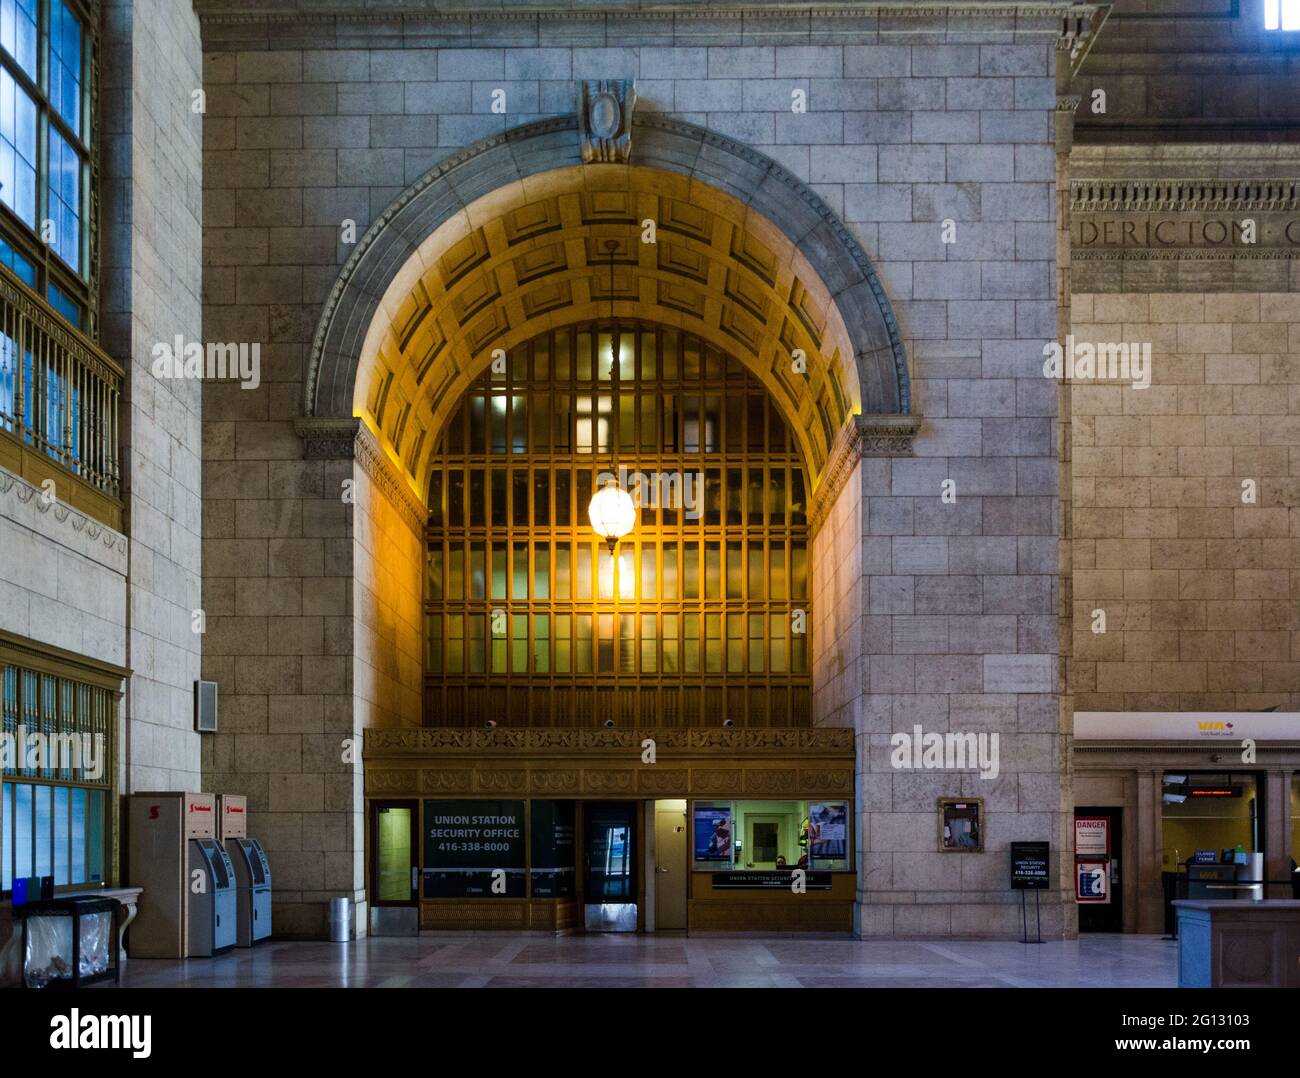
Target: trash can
x=340, y=920
x=69, y=942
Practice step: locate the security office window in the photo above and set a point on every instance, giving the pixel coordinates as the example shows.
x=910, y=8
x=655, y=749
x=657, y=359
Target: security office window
x=768, y=836
x=45, y=150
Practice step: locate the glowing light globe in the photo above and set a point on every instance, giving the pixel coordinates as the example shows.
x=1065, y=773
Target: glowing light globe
x=612, y=513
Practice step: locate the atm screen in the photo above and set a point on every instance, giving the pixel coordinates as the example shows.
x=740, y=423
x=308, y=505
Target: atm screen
x=218, y=861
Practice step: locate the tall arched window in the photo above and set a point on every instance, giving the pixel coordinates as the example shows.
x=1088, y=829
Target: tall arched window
x=700, y=615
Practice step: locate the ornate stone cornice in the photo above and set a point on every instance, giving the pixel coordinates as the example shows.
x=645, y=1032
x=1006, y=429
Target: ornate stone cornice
x=350, y=439
x=863, y=436
x=59, y=513
x=233, y=12
x=327, y=438
x=1184, y=196
x=783, y=740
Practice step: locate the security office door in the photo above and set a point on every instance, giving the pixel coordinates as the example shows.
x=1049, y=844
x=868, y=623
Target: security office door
x=394, y=845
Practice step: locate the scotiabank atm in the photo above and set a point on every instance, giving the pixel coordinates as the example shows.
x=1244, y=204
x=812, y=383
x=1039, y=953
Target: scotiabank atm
x=187, y=908
x=252, y=872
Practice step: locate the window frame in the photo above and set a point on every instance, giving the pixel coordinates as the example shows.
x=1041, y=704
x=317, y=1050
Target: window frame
x=44, y=661
x=81, y=286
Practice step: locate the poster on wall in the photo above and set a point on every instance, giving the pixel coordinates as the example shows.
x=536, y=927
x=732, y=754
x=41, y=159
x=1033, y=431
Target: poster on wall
x=1092, y=881
x=474, y=849
x=1092, y=838
x=828, y=831
x=551, y=841
x=713, y=833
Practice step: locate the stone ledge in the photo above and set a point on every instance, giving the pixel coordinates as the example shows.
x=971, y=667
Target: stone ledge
x=24, y=505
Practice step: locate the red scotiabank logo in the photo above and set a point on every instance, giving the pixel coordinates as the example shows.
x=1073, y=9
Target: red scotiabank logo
x=153, y=812
x=200, y=808
x=234, y=811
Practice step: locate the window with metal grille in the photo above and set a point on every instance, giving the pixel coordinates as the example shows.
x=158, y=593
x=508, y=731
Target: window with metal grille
x=529, y=617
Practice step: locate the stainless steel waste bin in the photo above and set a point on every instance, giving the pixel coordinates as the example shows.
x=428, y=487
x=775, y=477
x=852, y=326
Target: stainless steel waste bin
x=340, y=920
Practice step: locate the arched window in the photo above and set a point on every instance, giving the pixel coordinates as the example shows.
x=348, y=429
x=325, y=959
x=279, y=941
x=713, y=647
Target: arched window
x=699, y=615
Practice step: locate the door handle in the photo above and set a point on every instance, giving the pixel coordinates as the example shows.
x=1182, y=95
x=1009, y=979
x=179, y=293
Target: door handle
x=415, y=878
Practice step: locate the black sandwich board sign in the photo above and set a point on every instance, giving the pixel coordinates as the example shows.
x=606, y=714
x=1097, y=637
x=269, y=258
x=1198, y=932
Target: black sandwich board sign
x=1029, y=866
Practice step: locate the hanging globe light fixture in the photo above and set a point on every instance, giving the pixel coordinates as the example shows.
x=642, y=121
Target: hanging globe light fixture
x=612, y=513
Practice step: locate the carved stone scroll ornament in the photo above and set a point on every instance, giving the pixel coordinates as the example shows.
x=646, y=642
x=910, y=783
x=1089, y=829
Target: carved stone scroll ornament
x=605, y=119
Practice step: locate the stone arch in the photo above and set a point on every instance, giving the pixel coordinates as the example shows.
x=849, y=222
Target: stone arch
x=510, y=237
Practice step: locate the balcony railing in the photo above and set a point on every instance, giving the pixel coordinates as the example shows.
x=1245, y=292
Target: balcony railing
x=59, y=393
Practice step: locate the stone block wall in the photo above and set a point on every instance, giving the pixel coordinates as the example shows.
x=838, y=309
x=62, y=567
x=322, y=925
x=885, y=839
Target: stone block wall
x=1197, y=585
x=152, y=197
x=910, y=122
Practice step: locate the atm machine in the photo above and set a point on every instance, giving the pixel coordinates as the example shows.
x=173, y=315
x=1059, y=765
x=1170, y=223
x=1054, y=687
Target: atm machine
x=252, y=872
x=212, y=899
x=187, y=907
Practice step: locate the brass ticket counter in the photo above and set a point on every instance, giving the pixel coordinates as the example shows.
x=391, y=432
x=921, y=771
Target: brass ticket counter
x=612, y=830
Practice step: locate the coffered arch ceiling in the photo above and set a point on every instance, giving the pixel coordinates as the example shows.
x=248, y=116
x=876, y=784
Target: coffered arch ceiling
x=509, y=252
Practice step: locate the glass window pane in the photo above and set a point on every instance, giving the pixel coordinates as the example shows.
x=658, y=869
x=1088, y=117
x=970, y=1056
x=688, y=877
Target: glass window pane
x=605, y=644
x=64, y=189
x=94, y=836
x=17, y=149
x=563, y=644
x=43, y=820
x=541, y=571
x=562, y=581
x=60, y=836
x=542, y=643
x=498, y=570
x=18, y=32
x=649, y=645
x=22, y=830
x=77, y=812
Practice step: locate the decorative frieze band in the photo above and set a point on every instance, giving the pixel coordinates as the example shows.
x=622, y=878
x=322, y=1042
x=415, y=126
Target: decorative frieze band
x=59, y=514
x=1163, y=219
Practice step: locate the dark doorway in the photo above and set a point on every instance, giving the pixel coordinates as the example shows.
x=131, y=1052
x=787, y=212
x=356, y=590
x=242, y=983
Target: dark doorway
x=1107, y=916
x=610, y=866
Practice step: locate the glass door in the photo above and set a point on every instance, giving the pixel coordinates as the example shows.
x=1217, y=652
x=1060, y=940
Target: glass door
x=610, y=875
x=394, y=868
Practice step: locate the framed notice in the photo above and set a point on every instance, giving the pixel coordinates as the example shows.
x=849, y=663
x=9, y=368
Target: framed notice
x=1029, y=866
x=1092, y=881
x=961, y=824
x=1091, y=838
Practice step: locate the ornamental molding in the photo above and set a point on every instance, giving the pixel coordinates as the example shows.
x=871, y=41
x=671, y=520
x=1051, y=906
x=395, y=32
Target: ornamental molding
x=1186, y=254
x=1051, y=12
x=390, y=481
x=59, y=514
x=327, y=438
x=329, y=344
x=605, y=120
x=863, y=436
x=566, y=740
x=1184, y=196
x=350, y=439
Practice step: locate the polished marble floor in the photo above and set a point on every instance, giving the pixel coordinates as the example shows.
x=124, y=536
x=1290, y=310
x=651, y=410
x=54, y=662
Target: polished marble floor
x=526, y=961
